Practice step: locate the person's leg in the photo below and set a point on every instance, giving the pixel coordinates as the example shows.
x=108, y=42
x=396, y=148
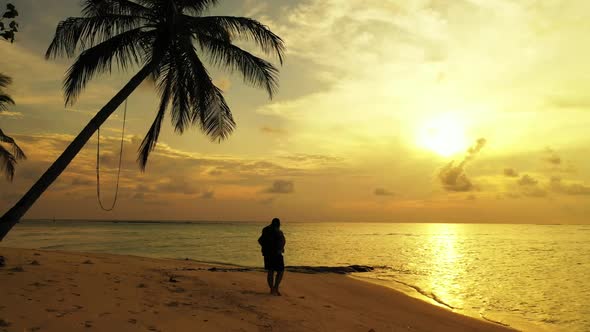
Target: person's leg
x=278, y=280
x=269, y=280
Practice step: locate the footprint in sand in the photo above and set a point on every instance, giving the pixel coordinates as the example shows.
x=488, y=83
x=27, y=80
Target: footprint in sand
x=177, y=290
x=37, y=284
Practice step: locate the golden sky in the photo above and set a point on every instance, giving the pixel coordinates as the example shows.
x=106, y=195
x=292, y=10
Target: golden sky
x=420, y=111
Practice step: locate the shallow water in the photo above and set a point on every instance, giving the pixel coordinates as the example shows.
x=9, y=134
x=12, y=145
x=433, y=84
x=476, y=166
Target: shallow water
x=515, y=274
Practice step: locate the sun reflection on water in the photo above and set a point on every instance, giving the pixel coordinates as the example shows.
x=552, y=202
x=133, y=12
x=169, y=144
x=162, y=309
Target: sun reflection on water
x=442, y=245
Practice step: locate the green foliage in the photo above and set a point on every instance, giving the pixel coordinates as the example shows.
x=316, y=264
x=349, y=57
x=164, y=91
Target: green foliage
x=9, y=32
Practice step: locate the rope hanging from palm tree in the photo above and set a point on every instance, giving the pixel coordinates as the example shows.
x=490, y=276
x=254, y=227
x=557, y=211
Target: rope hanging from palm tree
x=112, y=207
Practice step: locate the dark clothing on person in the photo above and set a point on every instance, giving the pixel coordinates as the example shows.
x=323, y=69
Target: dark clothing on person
x=274, y=262
x=272, y=242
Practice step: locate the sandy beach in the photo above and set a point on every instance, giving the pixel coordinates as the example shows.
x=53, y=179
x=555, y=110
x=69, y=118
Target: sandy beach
x=68, y=291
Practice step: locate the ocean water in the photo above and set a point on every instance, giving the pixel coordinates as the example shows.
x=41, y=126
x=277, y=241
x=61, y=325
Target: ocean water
x=532, y=277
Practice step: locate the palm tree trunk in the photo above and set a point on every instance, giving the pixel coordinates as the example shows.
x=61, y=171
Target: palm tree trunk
x=12, y=217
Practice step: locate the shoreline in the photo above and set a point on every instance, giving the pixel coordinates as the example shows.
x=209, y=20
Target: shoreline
x=512, y=322
x=62, y=290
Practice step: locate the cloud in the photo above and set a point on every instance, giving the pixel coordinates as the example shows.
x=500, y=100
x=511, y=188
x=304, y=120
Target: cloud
x=238, y=179
x=534, y=192
x=573, y=189
x=177, y=186
x=273, y=131
x=267, y=201
x=582, y=103
x=527, y=180
x=214, y=172
x=81, y=182
x=529, y=187
x=139, y=196
x=453, y=177
x=552, y=157
x=510, y=172
x=142, y=188
x=208, y=194
x=281, y=187
x=383, y=192
x=474, y=150
x=9, y=114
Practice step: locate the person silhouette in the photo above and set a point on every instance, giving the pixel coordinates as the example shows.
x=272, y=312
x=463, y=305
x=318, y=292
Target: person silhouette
x=272, y=243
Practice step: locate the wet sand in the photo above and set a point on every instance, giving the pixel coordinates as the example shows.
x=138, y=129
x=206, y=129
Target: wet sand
x=67, y=291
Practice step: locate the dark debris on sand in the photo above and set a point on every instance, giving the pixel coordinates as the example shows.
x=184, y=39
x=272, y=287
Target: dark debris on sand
x=303, y=269
x=330, y=269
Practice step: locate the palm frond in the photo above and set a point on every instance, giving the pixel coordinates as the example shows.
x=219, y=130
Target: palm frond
x=201, y=85
x=151, y=138
x=182, y=81
x=124, y=50
x=244, y=28
x=210, y=109
x=5, y=80
x=219, y=122
x=195, y=7
x=79, y=33
x=256, y=71
x=7, y=163
x=16, y=150
x=116, y=7
x=5, y=100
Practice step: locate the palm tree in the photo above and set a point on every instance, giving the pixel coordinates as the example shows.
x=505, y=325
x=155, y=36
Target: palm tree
x=166, y=39
x=8, y=159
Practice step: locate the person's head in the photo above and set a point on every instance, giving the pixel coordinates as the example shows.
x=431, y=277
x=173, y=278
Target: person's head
x=276, y=223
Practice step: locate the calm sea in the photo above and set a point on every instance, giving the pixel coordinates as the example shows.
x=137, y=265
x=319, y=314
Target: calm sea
x=534, y=277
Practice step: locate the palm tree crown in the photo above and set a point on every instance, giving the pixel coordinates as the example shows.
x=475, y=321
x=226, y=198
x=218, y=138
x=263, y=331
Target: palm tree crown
x=8, y=159
x=170, y=38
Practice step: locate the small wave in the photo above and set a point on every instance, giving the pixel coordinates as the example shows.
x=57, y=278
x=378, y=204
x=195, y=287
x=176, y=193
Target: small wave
x=493, y=321
x=429, y=295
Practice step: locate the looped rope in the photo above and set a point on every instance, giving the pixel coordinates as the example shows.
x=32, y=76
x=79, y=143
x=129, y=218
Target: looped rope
x=118, y=171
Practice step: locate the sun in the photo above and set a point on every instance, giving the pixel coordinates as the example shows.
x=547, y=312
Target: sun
x=444, y=135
